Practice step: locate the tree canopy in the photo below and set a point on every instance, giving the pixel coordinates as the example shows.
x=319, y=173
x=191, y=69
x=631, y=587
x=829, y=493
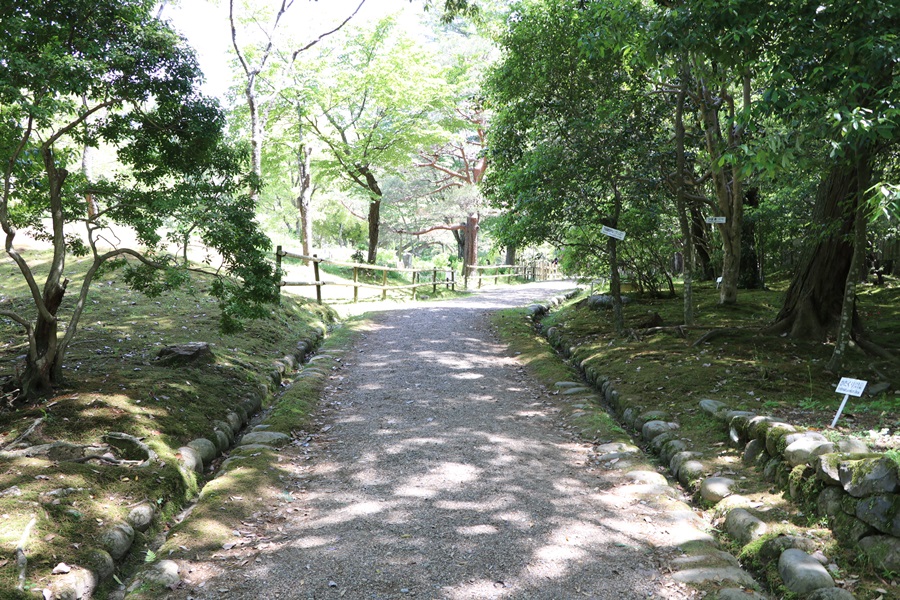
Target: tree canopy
x=75, y=75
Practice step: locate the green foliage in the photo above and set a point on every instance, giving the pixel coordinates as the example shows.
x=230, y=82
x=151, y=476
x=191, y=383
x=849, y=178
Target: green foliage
x=112, y=75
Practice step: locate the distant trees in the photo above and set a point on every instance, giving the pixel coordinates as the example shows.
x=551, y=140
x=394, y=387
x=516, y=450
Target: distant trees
x=733, y=105
x=377, y=100
x=85, y=74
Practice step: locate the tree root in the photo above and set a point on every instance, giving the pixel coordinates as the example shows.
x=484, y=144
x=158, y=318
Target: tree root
x=21, y=559
x=712, y=334
x=24, y=435
x=870, y=347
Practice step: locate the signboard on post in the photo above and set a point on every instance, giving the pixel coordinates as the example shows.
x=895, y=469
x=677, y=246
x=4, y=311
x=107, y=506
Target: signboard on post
x=712, y=220
x=614, y=233
x=848, y=387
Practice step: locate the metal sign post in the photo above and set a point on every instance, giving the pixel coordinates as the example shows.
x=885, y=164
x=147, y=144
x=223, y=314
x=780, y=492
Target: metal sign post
x=848, y=387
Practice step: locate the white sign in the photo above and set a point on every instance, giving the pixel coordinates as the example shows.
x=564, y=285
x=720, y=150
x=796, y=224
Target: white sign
x=848, y=387
x=852, y=387
x=615, y=233
x=715, y=219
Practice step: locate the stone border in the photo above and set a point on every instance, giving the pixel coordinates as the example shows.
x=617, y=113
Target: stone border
x=116, y=539
x=812, y=465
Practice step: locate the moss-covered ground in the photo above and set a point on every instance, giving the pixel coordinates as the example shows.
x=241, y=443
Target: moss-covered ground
x=113, y=384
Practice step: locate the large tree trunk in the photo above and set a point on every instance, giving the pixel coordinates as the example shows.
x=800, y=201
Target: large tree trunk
x=510, y=255
x=812, y=305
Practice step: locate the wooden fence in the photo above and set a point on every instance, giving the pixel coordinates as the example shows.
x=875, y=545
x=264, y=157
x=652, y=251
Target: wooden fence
x=439, y=277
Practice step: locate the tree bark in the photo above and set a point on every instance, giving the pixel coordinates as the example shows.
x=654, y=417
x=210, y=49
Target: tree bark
x=812, y=305
x=304, y=197
x=848, y=305
x=680, y=203
x=699, y=233
x=751, y=277
x=615, y=284
x=510, y=255
x=471, y=249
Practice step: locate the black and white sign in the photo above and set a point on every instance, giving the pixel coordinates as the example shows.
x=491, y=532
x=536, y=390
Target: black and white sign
x=848, y=387
x=853, y=387
x=715, y=219
x=614, y=233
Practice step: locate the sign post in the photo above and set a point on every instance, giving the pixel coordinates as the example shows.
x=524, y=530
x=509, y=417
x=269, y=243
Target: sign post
x=614, y=233
x=712, y=220
x=848, y=387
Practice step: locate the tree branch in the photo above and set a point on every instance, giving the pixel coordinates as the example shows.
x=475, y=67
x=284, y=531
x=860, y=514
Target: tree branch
x=327, y=33
x=430, y=229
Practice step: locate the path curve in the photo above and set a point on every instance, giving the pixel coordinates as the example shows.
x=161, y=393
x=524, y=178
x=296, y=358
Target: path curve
x=444, y=474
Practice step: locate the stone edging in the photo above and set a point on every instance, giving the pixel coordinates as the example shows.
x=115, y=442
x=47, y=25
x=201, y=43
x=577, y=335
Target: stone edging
x=857, y=491
x=116, y=539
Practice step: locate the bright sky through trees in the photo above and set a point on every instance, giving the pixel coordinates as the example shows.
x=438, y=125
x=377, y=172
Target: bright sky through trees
x=205, y=24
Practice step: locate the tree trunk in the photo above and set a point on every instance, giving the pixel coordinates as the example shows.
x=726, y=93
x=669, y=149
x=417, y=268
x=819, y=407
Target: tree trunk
x=460, y=236
x=304, y=197
x=471, y=257
x=848, y=306
x=750, y=278
x=615, y=284
x=510, y=255
x=680, y=203
x=700, y=235
x=374, y=217
x=374, y=221
x=43, y=364
x=812, y=305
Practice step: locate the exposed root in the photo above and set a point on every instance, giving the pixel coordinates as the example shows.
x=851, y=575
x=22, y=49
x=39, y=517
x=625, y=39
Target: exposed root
x=21, y=559
x=24, y=435
x=712, y=334
x=870, y=347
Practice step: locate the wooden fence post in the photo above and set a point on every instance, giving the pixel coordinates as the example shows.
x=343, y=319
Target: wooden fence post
x=278, y=270
x=434, y=281
x=355, y=282
x=316, y=279
x=452, y=280
x=415, y=280
x=384, y=285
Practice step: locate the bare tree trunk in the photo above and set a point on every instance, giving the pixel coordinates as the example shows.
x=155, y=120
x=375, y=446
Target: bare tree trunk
x=510, y=255
x=471, y=249
x=374, y=221
x=303, y=200
x=814, y=301
x=615, y=284
x=848, y=305
x=700, y=235
x=684, y=223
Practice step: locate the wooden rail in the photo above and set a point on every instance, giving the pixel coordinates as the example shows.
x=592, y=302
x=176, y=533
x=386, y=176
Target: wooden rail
x=449, y=276
x=534, y=272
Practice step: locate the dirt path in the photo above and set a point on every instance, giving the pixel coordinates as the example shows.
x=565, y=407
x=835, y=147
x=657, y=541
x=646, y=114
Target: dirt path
x=443, y=474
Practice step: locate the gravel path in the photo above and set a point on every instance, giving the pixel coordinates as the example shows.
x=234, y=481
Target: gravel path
x=444, y=473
